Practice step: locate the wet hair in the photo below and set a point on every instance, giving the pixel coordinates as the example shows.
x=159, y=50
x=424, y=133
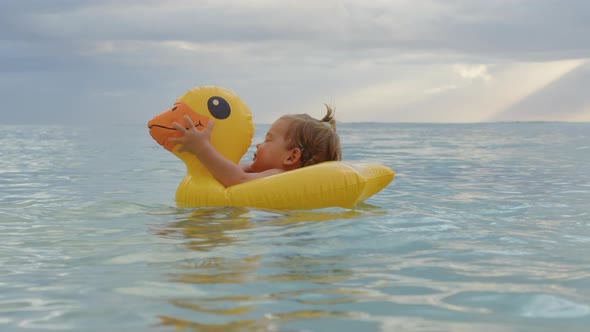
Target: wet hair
x=317, y=141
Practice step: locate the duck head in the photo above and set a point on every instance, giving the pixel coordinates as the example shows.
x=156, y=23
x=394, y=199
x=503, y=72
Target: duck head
x=233, y=130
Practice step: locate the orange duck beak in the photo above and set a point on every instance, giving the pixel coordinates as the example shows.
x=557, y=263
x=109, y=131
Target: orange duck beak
x=161, y=127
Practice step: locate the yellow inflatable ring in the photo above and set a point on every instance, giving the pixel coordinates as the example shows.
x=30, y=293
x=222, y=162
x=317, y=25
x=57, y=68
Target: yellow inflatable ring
x=328, y=184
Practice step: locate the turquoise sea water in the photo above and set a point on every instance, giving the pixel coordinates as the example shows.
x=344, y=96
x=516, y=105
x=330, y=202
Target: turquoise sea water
x=486, y=227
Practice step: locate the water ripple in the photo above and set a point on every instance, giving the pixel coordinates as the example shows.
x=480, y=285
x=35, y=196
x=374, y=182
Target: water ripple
x=486, y=227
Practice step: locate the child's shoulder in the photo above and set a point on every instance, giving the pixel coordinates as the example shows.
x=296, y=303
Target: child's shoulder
x=246, y=167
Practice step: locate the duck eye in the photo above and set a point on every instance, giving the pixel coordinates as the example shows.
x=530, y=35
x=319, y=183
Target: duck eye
x=218, y=107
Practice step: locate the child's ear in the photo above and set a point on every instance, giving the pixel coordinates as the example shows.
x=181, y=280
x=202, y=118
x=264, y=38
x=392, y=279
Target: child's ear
x=294, y=157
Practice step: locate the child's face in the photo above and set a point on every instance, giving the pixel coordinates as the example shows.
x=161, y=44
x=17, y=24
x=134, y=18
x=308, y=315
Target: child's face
x=272, y=153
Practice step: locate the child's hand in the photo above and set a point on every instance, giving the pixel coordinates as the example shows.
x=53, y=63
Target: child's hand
x=192, y=140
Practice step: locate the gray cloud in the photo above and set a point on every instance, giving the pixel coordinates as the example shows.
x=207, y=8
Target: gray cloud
x=89, y=59
x=509, y=28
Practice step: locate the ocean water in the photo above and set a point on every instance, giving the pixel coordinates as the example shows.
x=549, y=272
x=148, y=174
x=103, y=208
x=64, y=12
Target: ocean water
x=486, y=227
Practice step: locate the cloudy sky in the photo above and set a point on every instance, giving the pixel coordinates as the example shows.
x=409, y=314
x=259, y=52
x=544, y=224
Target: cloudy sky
x=123, y=61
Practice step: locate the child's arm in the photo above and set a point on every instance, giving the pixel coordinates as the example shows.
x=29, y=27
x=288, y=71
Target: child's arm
x=197, y=142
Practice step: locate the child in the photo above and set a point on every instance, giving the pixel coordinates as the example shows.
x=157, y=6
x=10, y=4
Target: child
x=293, y=141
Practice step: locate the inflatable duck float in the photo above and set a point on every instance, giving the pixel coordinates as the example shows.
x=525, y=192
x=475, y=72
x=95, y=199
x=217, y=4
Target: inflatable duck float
x=328, y=184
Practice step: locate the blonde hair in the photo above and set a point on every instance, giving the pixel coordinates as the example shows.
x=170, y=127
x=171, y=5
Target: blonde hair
x=317, y=142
